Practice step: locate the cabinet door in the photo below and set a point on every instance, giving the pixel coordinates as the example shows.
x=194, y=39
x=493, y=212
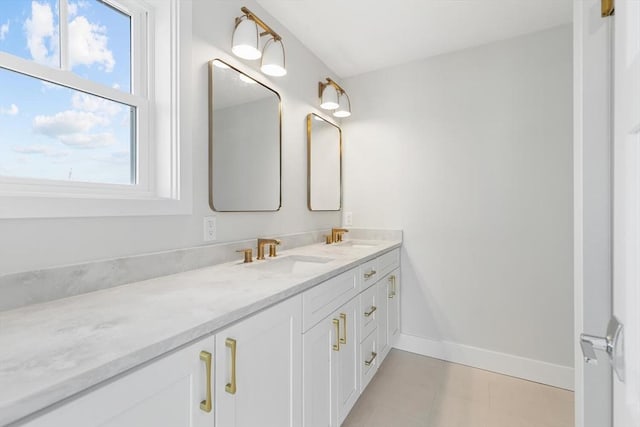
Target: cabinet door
x=320, y=355
x=347, y=367
x=393, y=307
x=165, y=393
x=258, y=369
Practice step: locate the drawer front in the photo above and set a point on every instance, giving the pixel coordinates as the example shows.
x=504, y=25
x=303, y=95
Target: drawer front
x=368, y=274
x=368, y=312
x=368, y=360
x=319, y=302
x=388, y=262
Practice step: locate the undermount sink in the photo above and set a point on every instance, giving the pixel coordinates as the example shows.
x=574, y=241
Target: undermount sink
x=357, y=244
x=291, y=264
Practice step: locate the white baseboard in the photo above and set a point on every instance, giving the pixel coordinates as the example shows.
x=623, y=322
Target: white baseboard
x=502, y=363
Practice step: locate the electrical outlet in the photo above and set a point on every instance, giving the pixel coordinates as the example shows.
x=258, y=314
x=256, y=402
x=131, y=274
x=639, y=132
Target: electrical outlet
x=348, y=219
x=209, y=228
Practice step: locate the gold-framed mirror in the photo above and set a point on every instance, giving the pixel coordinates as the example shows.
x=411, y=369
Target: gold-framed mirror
x=324, y=164
x=245, y=134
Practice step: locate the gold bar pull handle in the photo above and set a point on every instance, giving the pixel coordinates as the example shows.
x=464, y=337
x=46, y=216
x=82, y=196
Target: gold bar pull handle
x=336, y=324
x=343, y=339
x=370, y=361
x=371, y=311
x=370, y=274
x=233, y=345
x=392, y=292
x=205, y=405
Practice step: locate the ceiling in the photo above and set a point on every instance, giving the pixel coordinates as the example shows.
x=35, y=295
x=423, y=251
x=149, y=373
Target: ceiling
x=357, y=36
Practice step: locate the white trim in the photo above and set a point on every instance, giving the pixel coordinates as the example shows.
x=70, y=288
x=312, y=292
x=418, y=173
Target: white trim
x=502, y=363
x=578, y=203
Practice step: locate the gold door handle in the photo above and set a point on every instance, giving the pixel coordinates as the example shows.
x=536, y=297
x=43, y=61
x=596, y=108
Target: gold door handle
x=392, y=280
x=205, y=405
x=336, y=346
x=370, y=274
x=343, y=317
x=371, y=311
x=231, y=386
x=370, y=361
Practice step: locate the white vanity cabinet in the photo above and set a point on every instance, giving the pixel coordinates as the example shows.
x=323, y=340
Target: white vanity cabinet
x=330, y=368
x=388, y=312
x=302, y=362
x=171, y=391
x=330, y=350
x=369, y=303
x=258, y=366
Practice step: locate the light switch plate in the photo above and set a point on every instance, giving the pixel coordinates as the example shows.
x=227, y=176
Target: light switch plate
x=209, y=228
x=348, y=219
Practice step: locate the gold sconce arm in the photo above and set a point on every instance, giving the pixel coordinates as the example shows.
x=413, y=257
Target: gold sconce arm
x=267, y=29
x=329, y=82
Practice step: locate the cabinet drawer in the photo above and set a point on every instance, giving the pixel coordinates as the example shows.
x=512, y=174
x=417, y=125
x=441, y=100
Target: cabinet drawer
x=368, y=311
x=388, y=262
x=368, y=360
x=368, y=274
x=319, y=302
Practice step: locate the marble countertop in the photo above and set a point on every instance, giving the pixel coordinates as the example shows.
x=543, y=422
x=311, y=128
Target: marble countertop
x=54, y=350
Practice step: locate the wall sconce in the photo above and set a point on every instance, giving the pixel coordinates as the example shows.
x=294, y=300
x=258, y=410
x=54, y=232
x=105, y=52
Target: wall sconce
x=246, y=44
x=333, y=97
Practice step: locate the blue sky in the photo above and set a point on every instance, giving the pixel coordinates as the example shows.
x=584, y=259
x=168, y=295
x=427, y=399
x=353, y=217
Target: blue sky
x=52, y=132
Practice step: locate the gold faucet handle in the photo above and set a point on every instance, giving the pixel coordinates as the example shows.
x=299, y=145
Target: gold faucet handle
x=328, y=239
x=272, y=248
x=248, y=255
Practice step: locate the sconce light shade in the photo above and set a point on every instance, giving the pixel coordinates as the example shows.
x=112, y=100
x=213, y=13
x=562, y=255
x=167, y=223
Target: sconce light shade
x=246, y=39
x=344, y=107
x=273, y=63
x=329, y=99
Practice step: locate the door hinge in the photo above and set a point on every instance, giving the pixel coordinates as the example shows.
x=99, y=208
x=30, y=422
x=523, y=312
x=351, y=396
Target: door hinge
x=608, y=7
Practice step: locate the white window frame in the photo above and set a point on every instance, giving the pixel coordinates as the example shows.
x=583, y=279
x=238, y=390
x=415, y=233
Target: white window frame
x=158, y=40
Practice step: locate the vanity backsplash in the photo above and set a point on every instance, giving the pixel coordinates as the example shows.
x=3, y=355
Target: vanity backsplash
x=38, y=286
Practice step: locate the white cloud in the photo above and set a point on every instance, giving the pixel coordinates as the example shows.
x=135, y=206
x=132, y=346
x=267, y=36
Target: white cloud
x=11, y=111
x=42, y=39
x=86, y=140
x=95, y=104
x=32, y=149
x=46, y=150
x=72, y=7
x=4, y=29
x=67, y=122
x=88, y=44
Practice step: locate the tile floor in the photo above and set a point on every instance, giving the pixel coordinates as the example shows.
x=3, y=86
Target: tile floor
x=411, y=390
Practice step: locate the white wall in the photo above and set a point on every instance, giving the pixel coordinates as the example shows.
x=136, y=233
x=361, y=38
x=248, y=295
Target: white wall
x=37, y=243
x=470, y=153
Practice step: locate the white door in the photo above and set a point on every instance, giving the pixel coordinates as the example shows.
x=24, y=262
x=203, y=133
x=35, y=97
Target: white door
x=320, y=355
x=348, y=389
x=171, y=391
x=626, y=208
x=259, y=369
x=393, y=307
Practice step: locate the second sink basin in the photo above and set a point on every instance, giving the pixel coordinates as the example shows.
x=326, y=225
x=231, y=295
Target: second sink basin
x=291, y=264
x=357, y=244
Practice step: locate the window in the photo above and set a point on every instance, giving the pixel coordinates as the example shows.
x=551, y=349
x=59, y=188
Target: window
x=79, y=79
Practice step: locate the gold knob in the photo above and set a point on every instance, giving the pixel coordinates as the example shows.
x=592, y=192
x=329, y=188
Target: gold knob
x=248, y=255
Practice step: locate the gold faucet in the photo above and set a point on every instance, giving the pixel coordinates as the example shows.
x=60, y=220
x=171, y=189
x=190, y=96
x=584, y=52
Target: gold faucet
x=336, y=234
x=272, y=247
